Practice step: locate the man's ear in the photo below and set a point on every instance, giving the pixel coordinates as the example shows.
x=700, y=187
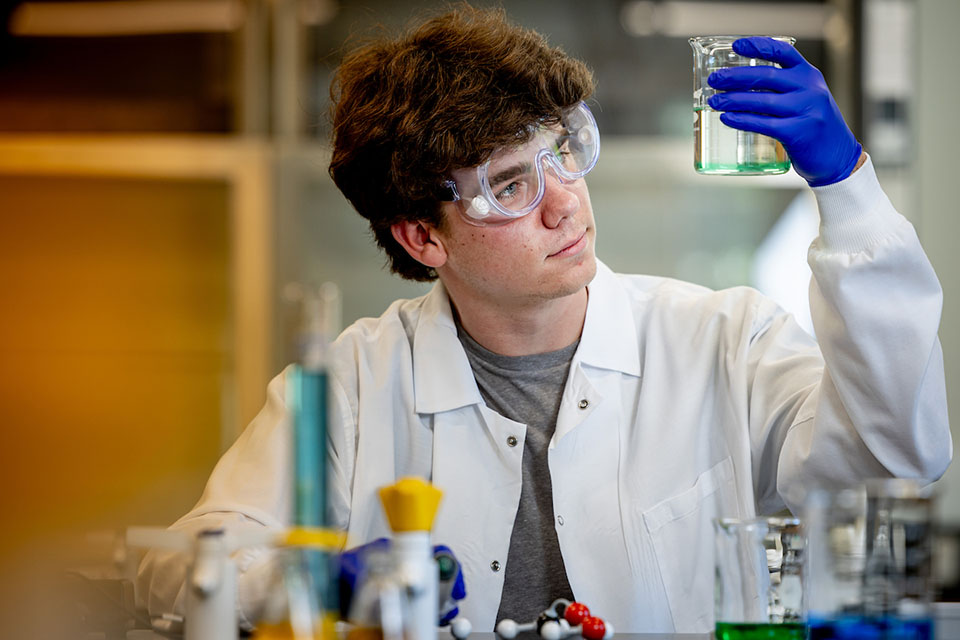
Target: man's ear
x=421, y=241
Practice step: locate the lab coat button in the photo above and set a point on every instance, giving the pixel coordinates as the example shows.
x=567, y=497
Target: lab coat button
x=560, y=520
x=512, y=441
x=495, y=565
x=583, y=404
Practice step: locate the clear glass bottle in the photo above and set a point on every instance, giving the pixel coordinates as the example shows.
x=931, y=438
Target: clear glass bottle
x=759, y=579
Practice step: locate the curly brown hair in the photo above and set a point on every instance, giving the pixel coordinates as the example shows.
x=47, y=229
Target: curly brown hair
x=442, y=96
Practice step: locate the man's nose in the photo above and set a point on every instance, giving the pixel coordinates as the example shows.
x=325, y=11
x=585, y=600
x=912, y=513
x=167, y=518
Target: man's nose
x=558, y=202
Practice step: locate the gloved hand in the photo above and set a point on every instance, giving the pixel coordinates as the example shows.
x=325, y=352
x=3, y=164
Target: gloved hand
x=451, y=584
x=791, y=104
x=351, y=566
x=452, y=588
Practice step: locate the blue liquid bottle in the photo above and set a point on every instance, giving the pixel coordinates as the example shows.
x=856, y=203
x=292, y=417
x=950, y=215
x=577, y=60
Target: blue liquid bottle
x=861, y=627
x=870, y=562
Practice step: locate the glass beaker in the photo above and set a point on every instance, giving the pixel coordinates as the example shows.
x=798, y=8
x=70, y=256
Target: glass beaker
x=292, y=610
x=719, y=149
x=870, y=562
x=759, y=579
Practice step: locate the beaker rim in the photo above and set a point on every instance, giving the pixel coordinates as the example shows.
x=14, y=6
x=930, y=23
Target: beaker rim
x=737, y=37
x=725, y=38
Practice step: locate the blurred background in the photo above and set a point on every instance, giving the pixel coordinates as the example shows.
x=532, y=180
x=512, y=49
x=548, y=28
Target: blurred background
x=163, y=176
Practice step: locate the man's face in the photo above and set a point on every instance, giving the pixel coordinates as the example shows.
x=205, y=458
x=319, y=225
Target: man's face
x=546, y=254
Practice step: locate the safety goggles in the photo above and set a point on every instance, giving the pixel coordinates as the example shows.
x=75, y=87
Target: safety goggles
x=511, y=183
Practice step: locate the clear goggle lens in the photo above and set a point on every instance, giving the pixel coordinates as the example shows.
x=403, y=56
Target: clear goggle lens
x=512, y=182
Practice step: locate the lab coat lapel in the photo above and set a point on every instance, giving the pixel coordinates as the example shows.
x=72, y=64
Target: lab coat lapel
x=585, y=453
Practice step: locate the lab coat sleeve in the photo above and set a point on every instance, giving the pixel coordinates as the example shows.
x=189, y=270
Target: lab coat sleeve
x=250, y=488
x=878, y=406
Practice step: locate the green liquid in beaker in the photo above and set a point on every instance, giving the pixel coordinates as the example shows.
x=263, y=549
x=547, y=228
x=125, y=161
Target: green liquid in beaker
x=722, y=150
x=760, y=631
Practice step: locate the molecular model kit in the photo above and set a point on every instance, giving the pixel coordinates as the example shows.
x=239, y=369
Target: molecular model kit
x=561, y=620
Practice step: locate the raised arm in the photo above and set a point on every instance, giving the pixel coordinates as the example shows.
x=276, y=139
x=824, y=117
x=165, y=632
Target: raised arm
x=879, y=406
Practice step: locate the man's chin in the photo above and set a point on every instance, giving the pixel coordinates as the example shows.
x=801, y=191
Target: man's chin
x=587, y=267
x=578, y=277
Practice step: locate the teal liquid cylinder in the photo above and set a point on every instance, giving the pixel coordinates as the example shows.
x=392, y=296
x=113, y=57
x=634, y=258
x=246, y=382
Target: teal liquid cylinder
x=307, y=399
x=309, y=403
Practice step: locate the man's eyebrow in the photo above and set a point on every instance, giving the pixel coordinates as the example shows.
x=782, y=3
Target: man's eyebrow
x=510, y=172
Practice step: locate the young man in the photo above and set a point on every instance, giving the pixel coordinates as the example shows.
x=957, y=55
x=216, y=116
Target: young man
x=584, y=426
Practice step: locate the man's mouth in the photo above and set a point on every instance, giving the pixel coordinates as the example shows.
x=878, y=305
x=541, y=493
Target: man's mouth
x=573, y=247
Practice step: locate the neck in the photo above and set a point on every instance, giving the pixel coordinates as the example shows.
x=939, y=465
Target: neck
x=519, y=330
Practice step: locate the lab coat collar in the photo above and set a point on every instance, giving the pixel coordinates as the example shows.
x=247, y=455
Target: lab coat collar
x=609, y=338
x=443, y=379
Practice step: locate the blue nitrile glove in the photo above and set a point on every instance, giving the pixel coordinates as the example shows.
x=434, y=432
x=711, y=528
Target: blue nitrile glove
x=791, y=104
x=352, y=565
x=451, y=584
x=452, y=588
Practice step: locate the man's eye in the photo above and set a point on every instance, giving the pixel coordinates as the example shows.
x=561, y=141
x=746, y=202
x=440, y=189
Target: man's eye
x=509, y=191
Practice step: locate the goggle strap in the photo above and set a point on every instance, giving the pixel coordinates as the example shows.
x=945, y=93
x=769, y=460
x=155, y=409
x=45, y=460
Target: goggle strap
x=447, y=191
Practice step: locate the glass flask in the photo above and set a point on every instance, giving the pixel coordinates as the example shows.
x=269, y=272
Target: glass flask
x=719, y=149
x=759, y=579
x=292, y=610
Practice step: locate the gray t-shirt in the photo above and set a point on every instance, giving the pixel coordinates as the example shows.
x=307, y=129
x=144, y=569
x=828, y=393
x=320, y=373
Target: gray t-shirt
x=528, y=389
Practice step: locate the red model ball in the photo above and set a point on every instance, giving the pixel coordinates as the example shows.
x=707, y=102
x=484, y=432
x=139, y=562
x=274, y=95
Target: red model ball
x=575, y=613
x=593, y=628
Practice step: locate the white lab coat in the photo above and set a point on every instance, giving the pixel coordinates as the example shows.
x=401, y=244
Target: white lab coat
x=682, y=405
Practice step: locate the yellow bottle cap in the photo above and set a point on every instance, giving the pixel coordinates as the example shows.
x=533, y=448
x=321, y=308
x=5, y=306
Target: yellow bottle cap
x=316, y=537
x=411, y=504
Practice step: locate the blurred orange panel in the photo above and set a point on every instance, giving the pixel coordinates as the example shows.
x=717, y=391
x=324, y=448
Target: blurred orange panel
x=115, y=349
